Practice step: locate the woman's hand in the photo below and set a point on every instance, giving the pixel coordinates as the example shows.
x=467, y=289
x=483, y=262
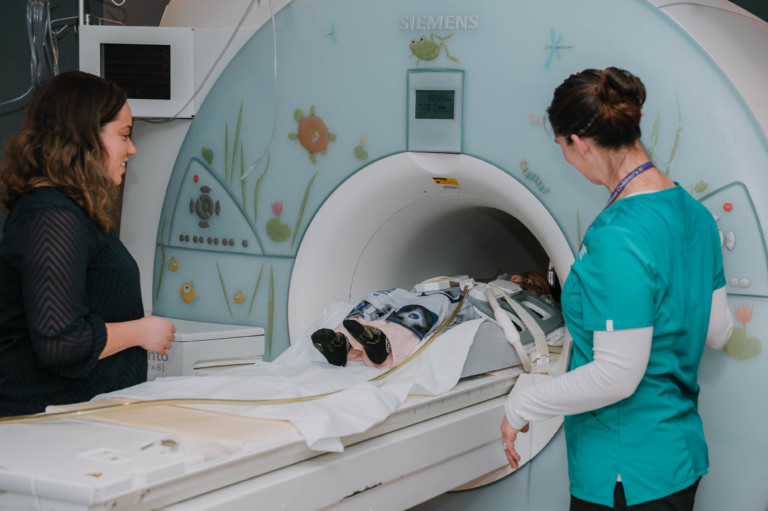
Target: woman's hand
x=150, y=332
x=158, y=335
x=508, y=436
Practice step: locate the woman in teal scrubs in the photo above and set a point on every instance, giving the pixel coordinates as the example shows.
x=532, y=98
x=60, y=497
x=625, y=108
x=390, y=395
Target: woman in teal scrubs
x=643, y=298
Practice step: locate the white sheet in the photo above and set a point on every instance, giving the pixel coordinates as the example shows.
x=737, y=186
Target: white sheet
x=302, y=371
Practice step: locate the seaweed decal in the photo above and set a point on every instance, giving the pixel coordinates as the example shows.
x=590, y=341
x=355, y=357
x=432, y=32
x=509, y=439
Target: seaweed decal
x=256, y=192
x=301, y=209
x=162, y=259
x=271, y=311
x=223, y=288
x=255, y=291
x=651, y=149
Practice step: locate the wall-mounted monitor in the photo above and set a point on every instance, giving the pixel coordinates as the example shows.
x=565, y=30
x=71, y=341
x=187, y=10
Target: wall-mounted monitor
x=155, y=66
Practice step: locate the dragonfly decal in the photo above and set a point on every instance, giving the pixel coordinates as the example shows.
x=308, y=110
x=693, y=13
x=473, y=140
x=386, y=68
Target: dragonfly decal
x=332, y=32
x=554, y=48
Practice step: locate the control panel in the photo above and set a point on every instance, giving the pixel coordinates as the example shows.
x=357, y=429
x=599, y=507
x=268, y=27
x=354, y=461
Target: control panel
x=435, y=110
x=745, y=259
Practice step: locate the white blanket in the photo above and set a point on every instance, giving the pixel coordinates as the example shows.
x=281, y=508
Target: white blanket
x=356, y=403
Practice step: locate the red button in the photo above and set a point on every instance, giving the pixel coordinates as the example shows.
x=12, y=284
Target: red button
x=196, y=179
x=727, y=206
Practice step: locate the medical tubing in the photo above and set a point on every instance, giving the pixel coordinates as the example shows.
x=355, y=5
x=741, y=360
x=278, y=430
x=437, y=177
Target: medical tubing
x=43, y=57
x=264, y=152
x=539, y=337
x=210, y=70
x=20, y=419
x=510, y=332
x=274, y=98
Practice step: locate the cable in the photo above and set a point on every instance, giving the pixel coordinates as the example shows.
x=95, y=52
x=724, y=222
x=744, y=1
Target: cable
x=43, y=48
x=274, y=102
x=210, y=70
x=264, y=153
x=20, y=419
x=539, y=337
x=510, y=332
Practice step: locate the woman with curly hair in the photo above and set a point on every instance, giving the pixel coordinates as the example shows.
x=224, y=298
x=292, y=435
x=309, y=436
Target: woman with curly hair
x=72, y=321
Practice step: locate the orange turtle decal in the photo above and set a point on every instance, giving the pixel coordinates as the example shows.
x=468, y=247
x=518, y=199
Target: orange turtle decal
x=312, y=134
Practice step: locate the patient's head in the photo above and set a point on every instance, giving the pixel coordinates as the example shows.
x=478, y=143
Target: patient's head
x=533, y=282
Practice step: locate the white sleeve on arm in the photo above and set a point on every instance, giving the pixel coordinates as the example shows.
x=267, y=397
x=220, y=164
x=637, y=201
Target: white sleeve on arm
x=720, y=320
x=621, y=357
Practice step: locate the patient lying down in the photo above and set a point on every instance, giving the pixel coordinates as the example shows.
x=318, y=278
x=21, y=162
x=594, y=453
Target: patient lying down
x=386, y=326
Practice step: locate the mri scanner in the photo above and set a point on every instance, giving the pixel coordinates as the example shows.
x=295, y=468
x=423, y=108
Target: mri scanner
x=334, y=149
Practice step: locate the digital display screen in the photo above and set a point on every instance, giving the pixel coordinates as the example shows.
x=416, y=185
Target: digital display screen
x=142, y=70
x=435, y=104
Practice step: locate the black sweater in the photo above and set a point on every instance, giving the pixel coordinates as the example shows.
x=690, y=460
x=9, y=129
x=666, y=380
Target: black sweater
x=61, y=279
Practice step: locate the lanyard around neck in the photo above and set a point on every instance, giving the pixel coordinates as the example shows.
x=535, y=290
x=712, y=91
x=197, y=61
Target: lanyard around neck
x=624, y=182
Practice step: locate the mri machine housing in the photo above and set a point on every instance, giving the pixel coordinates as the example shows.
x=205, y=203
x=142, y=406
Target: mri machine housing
x=397, y=216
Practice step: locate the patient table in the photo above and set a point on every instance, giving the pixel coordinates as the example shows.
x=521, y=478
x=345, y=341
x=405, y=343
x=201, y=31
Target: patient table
x=144, y=456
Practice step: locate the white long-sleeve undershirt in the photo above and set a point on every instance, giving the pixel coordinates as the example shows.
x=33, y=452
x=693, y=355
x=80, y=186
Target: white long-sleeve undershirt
x=620, y=360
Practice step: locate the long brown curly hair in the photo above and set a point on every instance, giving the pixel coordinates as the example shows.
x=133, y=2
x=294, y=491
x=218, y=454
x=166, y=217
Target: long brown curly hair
x=60, y=144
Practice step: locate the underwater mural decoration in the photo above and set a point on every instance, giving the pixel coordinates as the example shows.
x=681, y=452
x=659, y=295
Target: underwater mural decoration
x=187, y=292
x=302, y=208
x=652, y=143
x=539, y=121
x=224, y=288
x=256, y=191
x=532, y=177
x=699, y=188
x=740, y=346
x=162, y=258
x=207, y=154
x=359, y=151
x=554, y=47
x=313, y=134
x=428, y=50
x=276, y=230
x=255, y=290
x=579, y=235
x=332, y=32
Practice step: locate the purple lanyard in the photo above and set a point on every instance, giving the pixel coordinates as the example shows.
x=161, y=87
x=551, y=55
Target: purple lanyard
x=624, y=182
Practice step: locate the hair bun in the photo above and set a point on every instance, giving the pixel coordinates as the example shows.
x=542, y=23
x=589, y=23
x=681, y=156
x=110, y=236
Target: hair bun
x=602, y=104
x=620, y=86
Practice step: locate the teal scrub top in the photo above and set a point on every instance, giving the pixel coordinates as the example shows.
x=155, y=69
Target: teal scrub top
x=648, y=260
